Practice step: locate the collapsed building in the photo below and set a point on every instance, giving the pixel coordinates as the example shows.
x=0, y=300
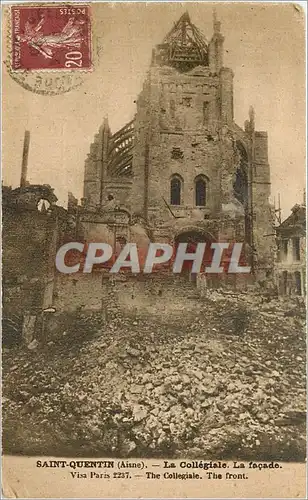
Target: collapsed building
x=182, y=168
x=34, y=227
x=181, y=171
x=291, y=253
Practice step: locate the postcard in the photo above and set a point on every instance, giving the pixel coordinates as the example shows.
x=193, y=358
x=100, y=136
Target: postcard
x=153, y=250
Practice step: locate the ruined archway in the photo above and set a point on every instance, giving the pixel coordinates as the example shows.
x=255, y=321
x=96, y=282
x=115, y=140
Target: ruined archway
x=192, y=236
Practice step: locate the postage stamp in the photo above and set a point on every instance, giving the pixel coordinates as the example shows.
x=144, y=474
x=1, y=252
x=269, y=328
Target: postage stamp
x=51, y=37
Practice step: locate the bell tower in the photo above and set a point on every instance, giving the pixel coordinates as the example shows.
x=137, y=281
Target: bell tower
x=186, y=100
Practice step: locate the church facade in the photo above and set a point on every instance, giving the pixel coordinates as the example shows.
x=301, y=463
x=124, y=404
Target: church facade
x=182, y=169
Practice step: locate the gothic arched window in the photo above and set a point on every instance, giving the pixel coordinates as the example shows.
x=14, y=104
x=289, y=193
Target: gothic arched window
x=175, y=190
x=200, y=191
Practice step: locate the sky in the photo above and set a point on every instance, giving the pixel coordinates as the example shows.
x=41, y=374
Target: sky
x=264, y=45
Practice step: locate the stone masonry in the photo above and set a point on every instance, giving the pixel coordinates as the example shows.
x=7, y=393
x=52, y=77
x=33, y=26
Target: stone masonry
x=182, y=166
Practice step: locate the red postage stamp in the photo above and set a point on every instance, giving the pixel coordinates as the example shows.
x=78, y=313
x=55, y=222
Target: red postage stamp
x=51, y=37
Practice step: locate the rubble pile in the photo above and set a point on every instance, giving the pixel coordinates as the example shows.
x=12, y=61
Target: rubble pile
x=226, y=382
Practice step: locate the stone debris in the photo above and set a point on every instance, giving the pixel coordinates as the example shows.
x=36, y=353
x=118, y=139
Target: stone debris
x=33, y=345
x=197, y=391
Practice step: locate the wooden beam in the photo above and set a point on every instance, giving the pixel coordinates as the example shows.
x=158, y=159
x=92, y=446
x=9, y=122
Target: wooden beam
x=25, y=155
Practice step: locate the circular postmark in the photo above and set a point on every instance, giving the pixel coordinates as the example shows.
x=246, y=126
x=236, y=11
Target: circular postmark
x=46, y=83
x=49, y=49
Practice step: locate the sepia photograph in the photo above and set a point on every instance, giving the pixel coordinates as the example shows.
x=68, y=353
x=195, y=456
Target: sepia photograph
x=154, y=248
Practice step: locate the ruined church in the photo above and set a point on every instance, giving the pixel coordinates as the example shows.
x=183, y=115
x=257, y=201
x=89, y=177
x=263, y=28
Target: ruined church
x=182, y=169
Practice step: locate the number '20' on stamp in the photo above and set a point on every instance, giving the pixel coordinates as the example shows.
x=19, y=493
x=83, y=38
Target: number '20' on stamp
x=51, y=37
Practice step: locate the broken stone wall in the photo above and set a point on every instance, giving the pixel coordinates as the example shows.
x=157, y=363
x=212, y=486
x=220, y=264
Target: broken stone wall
x=133, y=294
x=31, y=238
x=24, y=260
x=206, y=283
